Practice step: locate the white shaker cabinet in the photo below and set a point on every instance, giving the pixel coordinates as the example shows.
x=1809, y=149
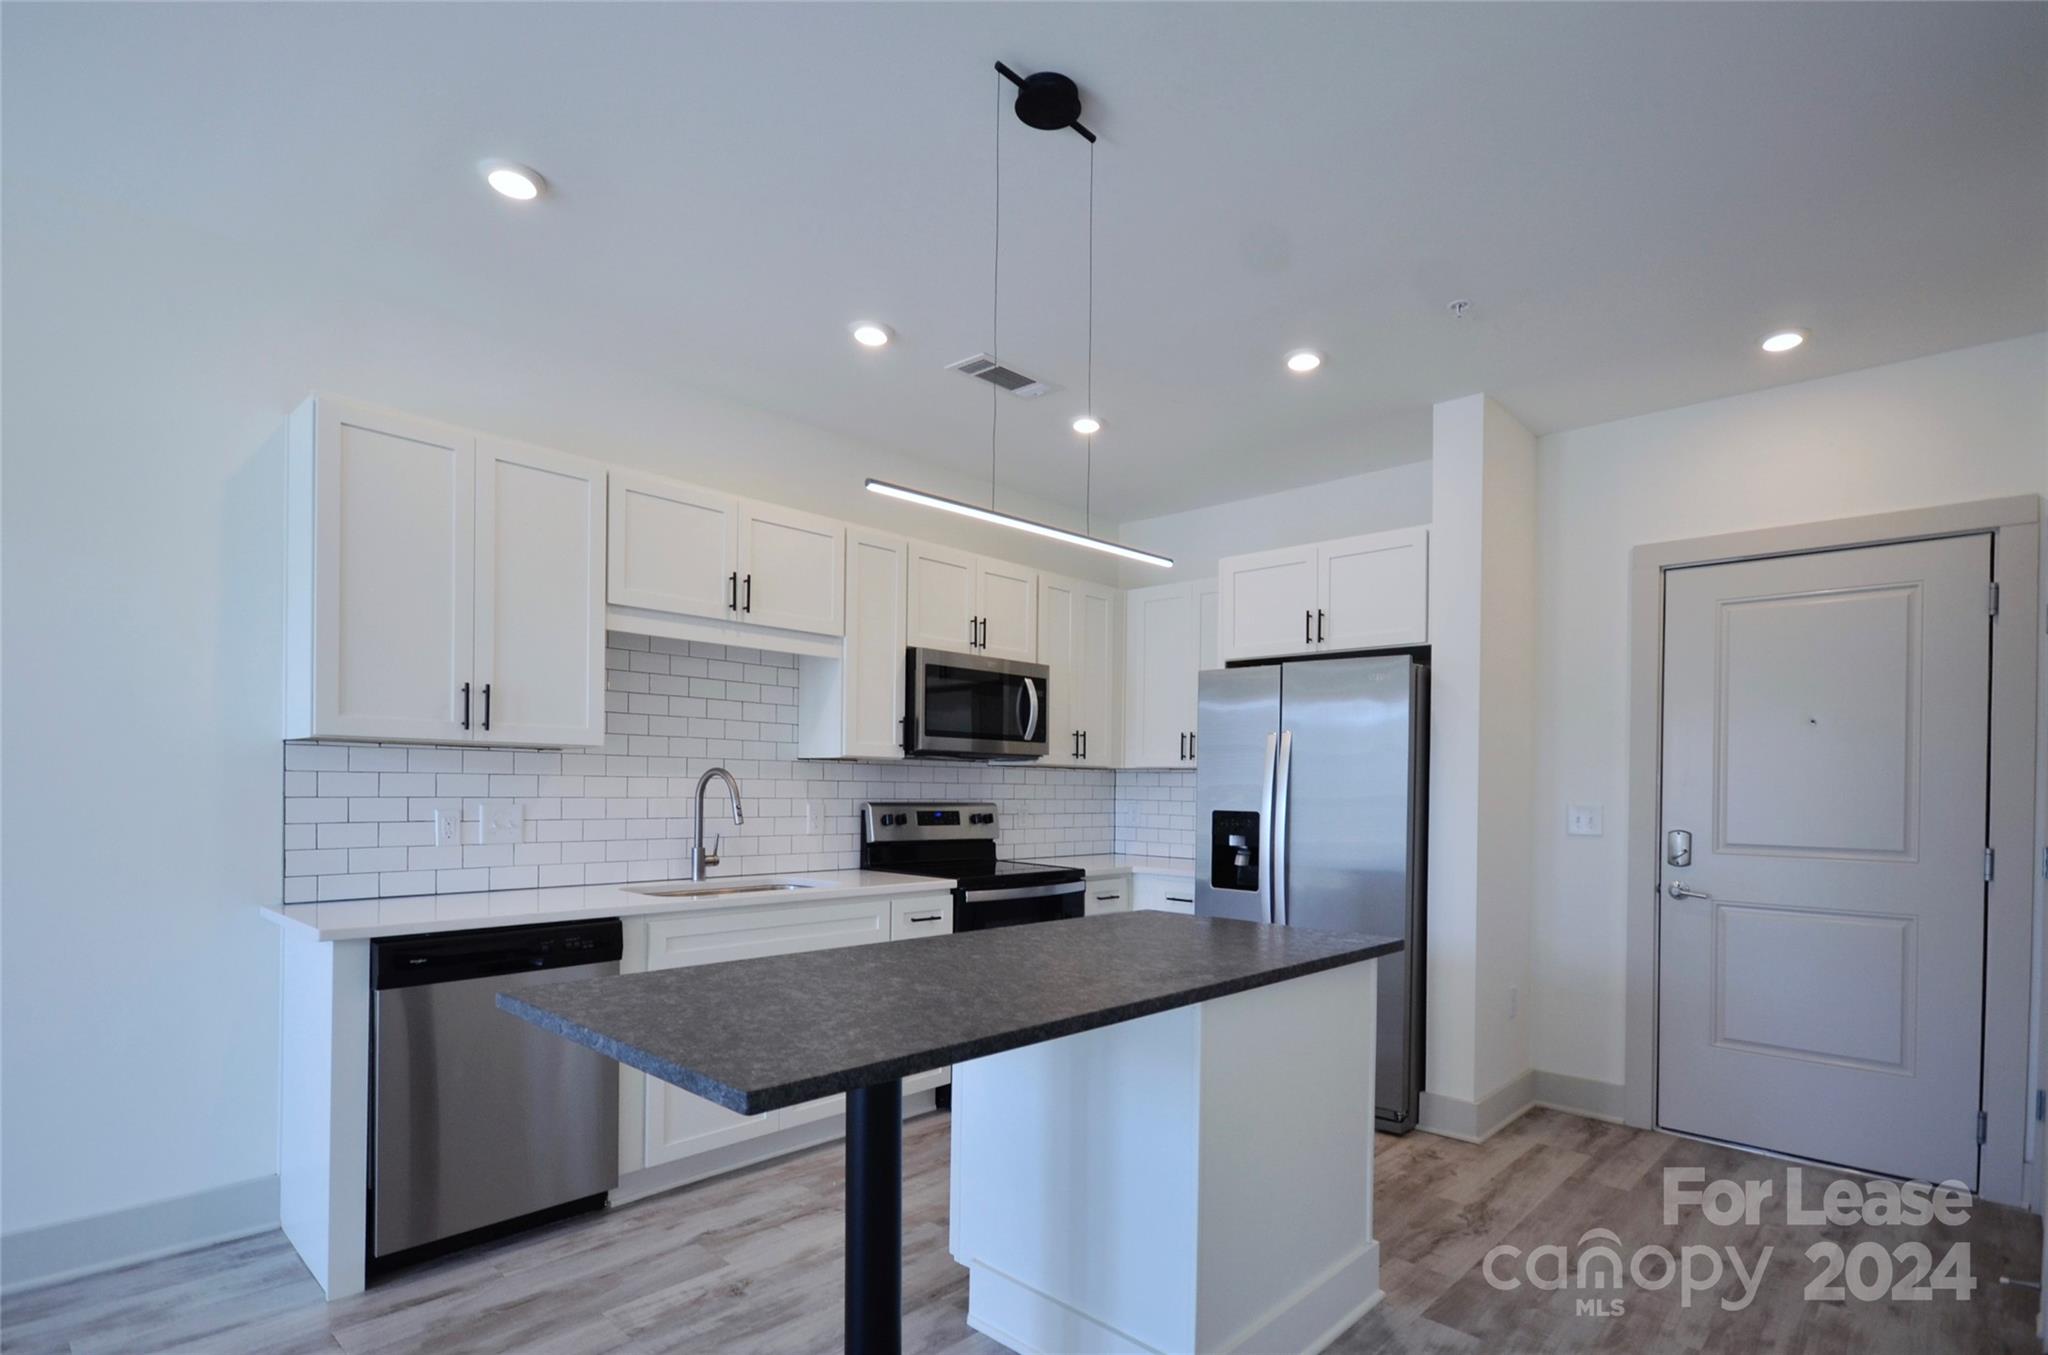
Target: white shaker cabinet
x=1170, y=635
x=439, y=586
x=1077, y=640
x=850, y=705
x=971, y=604
x=540, y=530
x=686, y=551
x=1361, y=592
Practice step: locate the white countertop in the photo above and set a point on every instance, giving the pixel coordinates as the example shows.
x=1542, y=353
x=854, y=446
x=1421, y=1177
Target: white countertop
x=369, y=919
x=1179, y=867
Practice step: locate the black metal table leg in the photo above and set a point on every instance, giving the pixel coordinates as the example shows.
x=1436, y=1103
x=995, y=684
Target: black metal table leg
x=874, y=1219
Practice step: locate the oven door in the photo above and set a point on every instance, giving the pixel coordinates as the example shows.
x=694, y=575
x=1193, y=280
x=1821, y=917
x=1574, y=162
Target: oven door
x=976, y=910
x=967, y=705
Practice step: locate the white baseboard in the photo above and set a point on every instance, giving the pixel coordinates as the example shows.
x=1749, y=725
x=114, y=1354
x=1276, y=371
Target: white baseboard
x=34, y=1257
x=1478, y=1121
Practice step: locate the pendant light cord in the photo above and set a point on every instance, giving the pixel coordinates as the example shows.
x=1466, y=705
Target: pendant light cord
x=995, y=303
x=1088, y=493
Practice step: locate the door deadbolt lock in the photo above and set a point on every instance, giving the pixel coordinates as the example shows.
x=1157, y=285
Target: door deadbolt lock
x=1678, y=848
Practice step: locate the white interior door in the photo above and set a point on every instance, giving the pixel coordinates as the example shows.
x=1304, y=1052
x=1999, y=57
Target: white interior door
x=395, y=576
x=539, y=596
x=942, y=614
x=792, y=569
x=674, y=547
x=1009, y=610
x=1826, y=725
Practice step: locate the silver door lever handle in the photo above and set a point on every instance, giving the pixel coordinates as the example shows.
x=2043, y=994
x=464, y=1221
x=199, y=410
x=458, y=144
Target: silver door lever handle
x=1679, y=889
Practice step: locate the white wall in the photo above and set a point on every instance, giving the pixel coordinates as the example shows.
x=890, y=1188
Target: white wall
x=1370, y=502
x=147, y=374
x=1957, y=426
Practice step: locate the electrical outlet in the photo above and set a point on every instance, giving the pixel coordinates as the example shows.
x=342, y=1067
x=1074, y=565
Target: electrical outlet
x=812, y=821
x=447, y=827
x=1582, y=820
x=503, y=821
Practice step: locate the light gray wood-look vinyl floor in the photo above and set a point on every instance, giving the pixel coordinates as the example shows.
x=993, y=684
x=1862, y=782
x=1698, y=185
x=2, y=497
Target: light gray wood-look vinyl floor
x=751, y=1263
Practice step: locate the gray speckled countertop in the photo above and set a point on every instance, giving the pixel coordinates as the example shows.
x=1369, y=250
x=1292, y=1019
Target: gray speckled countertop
x=755, y=1035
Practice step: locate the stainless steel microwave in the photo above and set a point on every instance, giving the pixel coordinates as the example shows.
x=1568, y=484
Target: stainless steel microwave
x=973, y=706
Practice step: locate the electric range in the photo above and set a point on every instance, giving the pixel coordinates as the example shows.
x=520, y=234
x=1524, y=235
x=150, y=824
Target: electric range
x=956, y=840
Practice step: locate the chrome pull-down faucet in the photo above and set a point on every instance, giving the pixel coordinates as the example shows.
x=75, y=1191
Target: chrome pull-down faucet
x=699, y=858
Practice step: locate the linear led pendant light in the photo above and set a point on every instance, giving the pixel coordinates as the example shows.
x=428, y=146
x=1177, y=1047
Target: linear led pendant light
x=1050, y=102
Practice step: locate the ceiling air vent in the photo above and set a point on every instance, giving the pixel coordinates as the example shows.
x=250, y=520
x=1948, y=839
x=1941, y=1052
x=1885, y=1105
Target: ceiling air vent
x=982, y=367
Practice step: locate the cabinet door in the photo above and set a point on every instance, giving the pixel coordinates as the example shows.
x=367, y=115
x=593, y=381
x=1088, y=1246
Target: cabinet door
x=872, y=669
x=1095, y=686
x=1108, y=894
x=942, y=598
x=1375, y=590
x=1268, y=603
x=791, y=569
x=1165, y=894
x=1059, y=602
x=679, y=1123
x=1008, y=609
x=1158, y=668
x=1208, y=627
x=540, y=564
x=393, y=576
x=674, y=547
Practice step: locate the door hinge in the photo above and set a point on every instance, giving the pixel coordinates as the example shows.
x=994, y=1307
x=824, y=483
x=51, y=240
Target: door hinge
x=1992, y=599
x=1983, y=1128
x=1990, y=864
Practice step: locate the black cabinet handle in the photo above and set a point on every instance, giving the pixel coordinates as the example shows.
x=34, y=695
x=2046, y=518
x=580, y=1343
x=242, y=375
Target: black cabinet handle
x=748, y=605
x=465, y=705
x=732, y=582
x=984, y=632
x=487, y=705
x=1191, y=745
x=1319, y=625
x=973, y=625
x=1183, y=746
x=1307, y=618
x=924, y=917
x=1084, y=743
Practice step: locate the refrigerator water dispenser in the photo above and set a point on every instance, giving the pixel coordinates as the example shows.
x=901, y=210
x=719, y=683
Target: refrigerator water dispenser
x=1234, y=849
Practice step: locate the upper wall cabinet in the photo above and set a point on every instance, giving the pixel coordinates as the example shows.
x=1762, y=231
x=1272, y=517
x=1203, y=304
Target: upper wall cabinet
x=1363, y=592
x=971, y=604
x=440, y=588
x=1170, y=637
x=686, y=551
x=851, y=704
x=1078, y=631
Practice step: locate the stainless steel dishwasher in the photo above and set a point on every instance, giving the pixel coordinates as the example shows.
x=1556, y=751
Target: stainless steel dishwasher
x=481, y=1123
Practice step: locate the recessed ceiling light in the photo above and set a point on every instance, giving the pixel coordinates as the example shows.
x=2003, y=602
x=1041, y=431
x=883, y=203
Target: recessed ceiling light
x=868, y=334
x=1304, y=360
x=1785, y=341
x=1087, y=425
x=514, y=181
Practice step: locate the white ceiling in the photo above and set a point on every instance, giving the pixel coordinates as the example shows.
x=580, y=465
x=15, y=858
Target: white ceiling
x=1631, y=196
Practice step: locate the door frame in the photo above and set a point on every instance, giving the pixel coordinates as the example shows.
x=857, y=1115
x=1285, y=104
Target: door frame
x=2015, y=527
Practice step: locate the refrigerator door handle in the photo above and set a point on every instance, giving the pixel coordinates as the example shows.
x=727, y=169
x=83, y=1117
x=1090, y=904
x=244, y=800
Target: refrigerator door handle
x=1266, y=820
x=1281, y=774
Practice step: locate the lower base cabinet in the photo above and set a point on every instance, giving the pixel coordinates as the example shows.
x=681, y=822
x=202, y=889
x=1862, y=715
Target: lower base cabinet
x=1165, y=893
x=669, y=1124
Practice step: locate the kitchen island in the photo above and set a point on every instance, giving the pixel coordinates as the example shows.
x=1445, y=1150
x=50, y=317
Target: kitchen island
x=1163, y=1141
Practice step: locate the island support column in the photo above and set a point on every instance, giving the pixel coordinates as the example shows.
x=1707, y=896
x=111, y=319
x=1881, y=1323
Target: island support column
x=874, y=1219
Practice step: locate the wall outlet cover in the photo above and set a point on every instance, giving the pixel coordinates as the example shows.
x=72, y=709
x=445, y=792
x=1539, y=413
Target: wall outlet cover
x=503, y=822
x=447, y=827
x=1582, y=820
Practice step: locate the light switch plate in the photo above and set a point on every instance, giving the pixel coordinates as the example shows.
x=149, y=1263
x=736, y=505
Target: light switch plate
x=1582, y=820
x=504, y=821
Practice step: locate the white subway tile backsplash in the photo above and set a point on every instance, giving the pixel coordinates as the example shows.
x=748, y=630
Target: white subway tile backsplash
x=359, y=816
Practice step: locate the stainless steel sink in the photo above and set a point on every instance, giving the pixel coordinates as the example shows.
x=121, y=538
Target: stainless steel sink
x=710, y=889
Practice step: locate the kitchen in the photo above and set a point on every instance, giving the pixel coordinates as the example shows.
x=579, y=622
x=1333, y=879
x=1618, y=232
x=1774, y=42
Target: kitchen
x=447, y=627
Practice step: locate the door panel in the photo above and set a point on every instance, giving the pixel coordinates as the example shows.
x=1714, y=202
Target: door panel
x=1240, y=717
x=874, y=645
x=1268, y=603
x=1345, y=846
x=540, y=566
x=791, y=567
x=1095, y=677
x=1009, y=610
x=673, y=546
x=1058, y=601
x=1374, y=590
x=942, y=604
x=1159, y=706
x=395, y=569
x=1826, y=729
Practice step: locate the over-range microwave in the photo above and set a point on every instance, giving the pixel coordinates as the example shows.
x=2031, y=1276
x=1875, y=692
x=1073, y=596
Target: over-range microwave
x=973, y=706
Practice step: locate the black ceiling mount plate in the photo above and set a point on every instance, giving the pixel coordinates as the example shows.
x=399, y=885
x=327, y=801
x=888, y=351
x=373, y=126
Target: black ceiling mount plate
x=1049, y=101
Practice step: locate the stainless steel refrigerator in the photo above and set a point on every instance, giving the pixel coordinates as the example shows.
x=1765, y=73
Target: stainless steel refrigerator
x=1310, y=808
